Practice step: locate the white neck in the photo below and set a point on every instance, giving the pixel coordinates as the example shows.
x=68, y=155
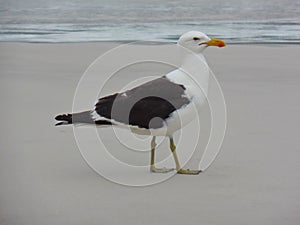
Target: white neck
x=197, y=69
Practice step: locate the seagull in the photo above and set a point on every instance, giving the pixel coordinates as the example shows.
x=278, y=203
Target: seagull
x=159, y=107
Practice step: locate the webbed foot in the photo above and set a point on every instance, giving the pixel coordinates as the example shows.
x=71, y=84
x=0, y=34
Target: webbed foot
x=189, y=172
x=160, y=170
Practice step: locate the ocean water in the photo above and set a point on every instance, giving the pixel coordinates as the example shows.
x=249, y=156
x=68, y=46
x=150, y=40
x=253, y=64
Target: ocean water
x=236, y=21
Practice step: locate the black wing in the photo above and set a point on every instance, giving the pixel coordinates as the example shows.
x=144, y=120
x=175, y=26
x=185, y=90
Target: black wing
x=140, y=105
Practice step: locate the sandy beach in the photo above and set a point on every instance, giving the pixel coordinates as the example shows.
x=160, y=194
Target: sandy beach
x=254, y=180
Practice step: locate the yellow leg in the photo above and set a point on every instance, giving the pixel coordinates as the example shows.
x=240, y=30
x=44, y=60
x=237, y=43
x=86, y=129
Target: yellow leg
x=178, y=167
x=153, y=145
x=152, y=166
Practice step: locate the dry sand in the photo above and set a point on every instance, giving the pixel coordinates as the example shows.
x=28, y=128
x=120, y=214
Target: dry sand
x=255, y=179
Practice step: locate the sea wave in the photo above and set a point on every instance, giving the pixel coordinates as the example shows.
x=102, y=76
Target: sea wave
x=281, y=31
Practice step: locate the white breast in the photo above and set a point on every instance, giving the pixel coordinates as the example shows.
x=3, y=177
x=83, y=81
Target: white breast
x=195, y=78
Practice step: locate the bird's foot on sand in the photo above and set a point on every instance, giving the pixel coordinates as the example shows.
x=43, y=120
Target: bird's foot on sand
x=189, y=172
x=160, y=170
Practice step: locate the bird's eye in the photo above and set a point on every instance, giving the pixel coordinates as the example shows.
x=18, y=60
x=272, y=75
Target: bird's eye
x=196, y=39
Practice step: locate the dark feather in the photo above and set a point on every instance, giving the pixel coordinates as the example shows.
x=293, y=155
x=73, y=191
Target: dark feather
x=82, y=117
x=140, y=105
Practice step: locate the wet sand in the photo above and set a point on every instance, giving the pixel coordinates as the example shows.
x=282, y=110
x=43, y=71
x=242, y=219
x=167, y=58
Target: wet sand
x=254, y=180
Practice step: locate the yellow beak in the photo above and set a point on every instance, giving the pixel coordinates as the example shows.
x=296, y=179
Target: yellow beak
x=215, y=42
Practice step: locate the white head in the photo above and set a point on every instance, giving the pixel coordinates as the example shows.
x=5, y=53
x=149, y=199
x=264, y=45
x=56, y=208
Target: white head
x=197, y=41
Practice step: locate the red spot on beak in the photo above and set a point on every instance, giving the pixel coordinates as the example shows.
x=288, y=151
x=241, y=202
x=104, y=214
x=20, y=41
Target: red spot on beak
x=222, y=44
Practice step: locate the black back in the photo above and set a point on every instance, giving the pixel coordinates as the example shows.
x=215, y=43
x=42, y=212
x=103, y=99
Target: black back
x=155, y=99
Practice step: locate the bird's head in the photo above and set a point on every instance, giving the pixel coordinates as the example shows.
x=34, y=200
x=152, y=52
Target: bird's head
x=197, y=41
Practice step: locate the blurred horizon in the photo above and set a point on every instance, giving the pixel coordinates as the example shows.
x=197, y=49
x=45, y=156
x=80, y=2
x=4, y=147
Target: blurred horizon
x=236, y=21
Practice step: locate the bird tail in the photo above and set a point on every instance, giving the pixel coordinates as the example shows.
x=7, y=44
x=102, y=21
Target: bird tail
x=81, y=117
x=65, y=118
